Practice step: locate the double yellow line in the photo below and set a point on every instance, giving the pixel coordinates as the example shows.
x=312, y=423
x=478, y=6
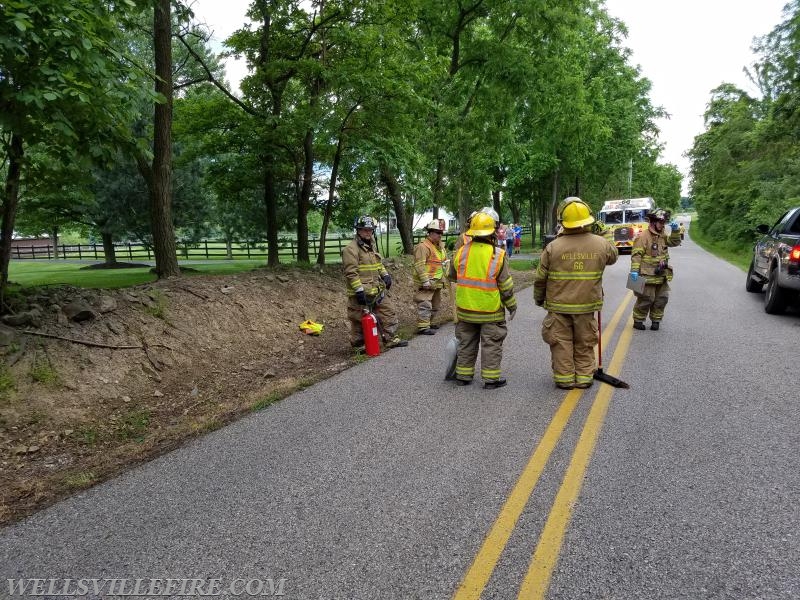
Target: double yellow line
x=544, y=558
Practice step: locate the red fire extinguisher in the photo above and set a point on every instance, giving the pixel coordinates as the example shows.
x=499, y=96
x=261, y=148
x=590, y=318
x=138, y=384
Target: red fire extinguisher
x=369, y=326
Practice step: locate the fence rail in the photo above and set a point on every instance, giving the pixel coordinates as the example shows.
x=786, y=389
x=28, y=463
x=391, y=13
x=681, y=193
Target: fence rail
x=203, y=250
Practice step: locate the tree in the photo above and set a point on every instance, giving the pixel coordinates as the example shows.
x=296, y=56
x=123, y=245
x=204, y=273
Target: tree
x=159, y=174
x=63, y=81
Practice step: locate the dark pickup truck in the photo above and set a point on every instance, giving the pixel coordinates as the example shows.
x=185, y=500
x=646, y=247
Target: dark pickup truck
x=776, y=262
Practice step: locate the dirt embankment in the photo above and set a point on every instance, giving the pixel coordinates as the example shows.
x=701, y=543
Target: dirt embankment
x=108, y=379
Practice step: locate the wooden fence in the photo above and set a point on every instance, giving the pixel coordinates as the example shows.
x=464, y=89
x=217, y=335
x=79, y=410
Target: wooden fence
x=204, y=250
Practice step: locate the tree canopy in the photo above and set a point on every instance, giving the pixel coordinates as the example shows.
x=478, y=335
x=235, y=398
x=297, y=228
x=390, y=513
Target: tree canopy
x=349, y=106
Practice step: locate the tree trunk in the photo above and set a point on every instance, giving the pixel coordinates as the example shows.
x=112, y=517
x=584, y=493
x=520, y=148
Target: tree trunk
x=54, y=239
x=109, y=252
x=437, y=189
x=554, y=202
x=15, y=155
x=271, y=207
x=304, y=201
x=163, y=231
x=326, y=217
x=496, y=203
x=403, y=223
x=463, y=210
x=228, y=247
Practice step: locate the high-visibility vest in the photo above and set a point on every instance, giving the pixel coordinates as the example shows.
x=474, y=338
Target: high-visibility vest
x=432, y=267
x=477, y=268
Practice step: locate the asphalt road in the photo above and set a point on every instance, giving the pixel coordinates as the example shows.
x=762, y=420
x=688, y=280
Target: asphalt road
x=385, y=481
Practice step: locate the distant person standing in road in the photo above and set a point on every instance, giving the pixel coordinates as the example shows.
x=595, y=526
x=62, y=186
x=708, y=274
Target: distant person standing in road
x=429, y=257
x=650, y=259
x=517, y=238
x=484, y=291
x=510, y=239
x=501, y=233
x=367, y=282
x=569, y=284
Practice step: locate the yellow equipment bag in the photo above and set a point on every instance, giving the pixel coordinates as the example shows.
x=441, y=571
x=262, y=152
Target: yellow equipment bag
x=311, y=328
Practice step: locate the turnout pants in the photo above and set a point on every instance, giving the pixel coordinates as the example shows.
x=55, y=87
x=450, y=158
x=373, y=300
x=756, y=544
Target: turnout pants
x=489, y=337
x=572, y=339
x=428, y=303
x=653, y=301
x=387, y=320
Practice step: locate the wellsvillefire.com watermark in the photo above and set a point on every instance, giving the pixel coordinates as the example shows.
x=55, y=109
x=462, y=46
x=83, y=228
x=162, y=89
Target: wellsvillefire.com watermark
x=109, y=589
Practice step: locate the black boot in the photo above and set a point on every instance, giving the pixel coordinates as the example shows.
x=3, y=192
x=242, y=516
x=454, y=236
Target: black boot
x=654, y=325
x=427, y=331
x=494, y=383
x=638, y=325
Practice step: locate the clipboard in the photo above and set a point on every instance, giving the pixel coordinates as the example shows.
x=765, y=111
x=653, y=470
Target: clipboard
x=637, y=286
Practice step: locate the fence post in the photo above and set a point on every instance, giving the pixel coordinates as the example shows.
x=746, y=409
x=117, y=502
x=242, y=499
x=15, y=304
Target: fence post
x=48, y=251
x=206, y=242
x=130, y=252
x=64, y=251
x=95, y=251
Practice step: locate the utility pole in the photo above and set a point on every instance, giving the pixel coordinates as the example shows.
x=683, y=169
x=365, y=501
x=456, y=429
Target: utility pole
x=630, y=177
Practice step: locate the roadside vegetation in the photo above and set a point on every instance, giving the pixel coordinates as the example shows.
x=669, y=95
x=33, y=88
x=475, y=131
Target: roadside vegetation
x=736, y=253
x=746, y=165
x=453, y=116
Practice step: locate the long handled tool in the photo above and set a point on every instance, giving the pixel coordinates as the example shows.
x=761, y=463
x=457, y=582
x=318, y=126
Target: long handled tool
x=598, y=374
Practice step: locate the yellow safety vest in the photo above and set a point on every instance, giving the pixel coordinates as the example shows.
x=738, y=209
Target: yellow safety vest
x=432, y=267
x=477, y=268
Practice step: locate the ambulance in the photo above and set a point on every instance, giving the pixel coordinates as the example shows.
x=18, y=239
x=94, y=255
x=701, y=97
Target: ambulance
x=624, y=220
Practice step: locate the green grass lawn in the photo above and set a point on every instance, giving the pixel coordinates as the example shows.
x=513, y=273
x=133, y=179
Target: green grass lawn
x=30, y=273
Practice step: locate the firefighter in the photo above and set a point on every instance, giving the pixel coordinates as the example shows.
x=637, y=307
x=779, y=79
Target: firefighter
x=486, y=210
x=569, y=284
x=484, y=291
x=650, y=259
x=367, y=282
x=429, y=257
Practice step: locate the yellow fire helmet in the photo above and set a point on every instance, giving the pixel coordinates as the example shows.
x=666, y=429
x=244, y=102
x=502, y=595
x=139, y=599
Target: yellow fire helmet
x=575, y=213
x=481, y=225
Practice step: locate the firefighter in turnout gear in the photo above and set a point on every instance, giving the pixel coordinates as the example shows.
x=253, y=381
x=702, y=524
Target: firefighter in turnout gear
x=429, y=259
x=486, y=210
x=367, y=282
x=569, y=284
x=484, y=291
x=650, y=259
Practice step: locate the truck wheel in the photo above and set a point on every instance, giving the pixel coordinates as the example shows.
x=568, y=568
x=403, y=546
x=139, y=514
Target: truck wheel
x=776, y=297
x=752, y=285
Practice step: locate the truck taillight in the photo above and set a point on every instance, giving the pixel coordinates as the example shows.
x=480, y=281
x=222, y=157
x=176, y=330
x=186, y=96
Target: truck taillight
x=794, y=254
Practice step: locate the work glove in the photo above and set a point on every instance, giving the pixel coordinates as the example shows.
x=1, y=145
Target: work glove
x=387, y=279
x=426, y=285
x=634, y=276
x=511, y=313
x=361, y=297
